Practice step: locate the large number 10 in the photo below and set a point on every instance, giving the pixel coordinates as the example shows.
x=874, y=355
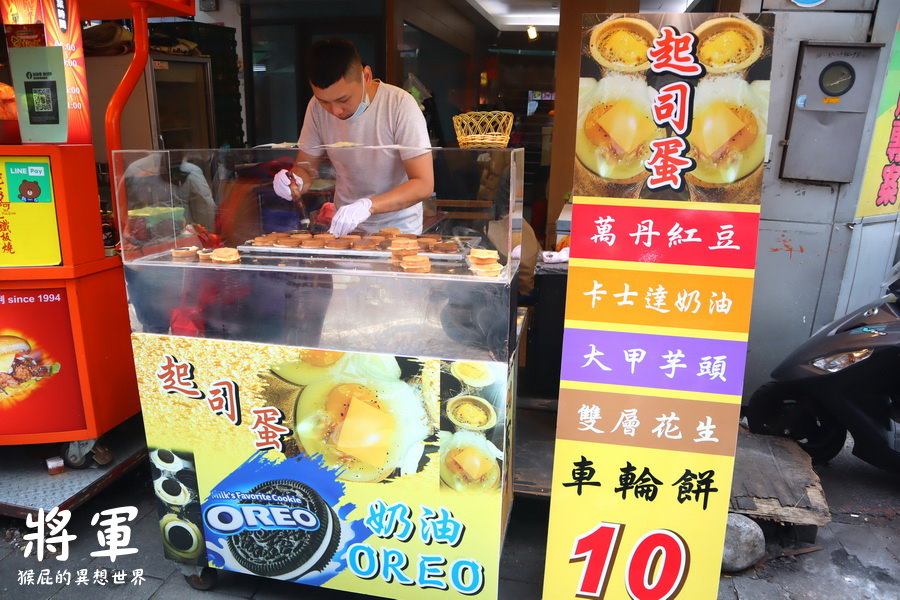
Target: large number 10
x=660, y=551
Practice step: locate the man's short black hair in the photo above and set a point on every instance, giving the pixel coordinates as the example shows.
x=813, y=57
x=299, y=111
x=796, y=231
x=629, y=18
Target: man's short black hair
x=329, y=60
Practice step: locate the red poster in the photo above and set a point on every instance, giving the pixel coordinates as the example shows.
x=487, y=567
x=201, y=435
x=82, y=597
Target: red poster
x=39, y=388
x=62, y=26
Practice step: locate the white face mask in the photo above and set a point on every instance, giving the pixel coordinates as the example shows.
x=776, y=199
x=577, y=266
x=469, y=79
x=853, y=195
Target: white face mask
x=364, y=103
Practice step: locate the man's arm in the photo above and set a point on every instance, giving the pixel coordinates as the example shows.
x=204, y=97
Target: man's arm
x=420, y=186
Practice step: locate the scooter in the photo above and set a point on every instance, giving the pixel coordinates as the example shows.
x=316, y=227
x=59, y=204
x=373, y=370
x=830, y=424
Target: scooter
x=845, y=378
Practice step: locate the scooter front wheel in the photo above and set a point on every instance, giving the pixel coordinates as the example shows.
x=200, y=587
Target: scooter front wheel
x=778, y=409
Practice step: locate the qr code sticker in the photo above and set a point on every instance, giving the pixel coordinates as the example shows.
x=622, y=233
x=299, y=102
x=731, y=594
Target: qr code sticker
x=43, y=100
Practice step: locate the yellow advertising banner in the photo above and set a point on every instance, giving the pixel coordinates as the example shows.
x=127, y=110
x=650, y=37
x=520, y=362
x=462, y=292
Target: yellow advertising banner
x=378, y=474
x=29, y=234
x=659, y=522
x=670, y=145
x=879, y=192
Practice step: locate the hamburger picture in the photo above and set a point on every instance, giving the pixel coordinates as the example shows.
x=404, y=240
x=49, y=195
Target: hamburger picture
x=21, y=368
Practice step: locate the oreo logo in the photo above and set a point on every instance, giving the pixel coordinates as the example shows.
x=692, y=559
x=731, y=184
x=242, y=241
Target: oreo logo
x=227, y=519
x=280, y=528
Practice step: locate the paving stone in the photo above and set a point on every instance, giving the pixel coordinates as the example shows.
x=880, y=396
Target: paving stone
x=749, y=588
x=12, y=564
x=871, y=545
x=149, y=557
x=726, y=589
x=176, y=587
x=272, y=589
x=126, y=591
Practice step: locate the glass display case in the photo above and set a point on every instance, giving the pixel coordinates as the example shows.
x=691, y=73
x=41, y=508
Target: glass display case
x=360, y=387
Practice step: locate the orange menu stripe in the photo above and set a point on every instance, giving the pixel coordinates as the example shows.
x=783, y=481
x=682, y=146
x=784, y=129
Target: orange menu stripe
x=687, y=301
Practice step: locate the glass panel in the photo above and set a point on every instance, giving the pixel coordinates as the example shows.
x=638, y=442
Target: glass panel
x=182, y=96
x=285, y=290
x=442, y=69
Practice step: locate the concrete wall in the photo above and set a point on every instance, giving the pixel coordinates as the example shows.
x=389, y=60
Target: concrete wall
x=814, y=260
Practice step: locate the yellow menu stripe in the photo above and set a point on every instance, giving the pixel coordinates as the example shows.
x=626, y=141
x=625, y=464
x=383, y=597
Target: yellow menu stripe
x=633, y=265
x=731, y=336
x=724, y=207
x=642, y=391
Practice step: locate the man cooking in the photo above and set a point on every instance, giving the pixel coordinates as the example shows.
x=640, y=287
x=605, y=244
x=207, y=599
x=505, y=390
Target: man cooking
x=375, y=189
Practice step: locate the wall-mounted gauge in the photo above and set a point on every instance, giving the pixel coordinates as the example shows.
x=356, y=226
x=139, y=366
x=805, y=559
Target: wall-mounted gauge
x=837, y=78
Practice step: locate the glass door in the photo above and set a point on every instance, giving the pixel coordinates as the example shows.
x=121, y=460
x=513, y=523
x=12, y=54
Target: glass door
x=184, y=102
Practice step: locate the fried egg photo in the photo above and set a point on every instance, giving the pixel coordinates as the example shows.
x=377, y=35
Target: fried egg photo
x=311, y=365
x=728, y=133
x=615, y=126
x=367, y=428
x=469, y=461
x=473, y=374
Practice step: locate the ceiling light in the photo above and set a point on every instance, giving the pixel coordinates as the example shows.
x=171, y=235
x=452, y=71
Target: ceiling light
x=531, y=30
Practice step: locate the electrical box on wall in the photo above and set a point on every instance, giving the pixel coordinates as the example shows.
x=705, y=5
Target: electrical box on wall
x=832, y=90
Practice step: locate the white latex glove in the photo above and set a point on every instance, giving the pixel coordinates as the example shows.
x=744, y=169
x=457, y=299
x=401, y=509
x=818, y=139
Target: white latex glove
x=348, y=217
x=281, y=183
x=516, y=252
x=556, y=257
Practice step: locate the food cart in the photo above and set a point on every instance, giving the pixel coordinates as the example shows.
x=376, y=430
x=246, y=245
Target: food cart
x=334, y=412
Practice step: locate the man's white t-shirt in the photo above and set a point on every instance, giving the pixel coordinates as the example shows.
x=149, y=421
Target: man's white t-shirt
x=392, y=118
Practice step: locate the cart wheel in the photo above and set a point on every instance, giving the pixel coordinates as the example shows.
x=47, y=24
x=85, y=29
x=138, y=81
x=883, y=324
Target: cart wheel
x=74, y=459
x=203, y=581
x=102, y=455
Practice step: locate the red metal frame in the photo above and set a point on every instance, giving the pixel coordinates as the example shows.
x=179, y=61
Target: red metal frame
x=94, y=285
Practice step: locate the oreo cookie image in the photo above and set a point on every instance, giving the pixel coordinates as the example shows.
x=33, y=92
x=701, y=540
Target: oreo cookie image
x=182, y=540
x=172, y=492
x=170, y=461
x=288, y=553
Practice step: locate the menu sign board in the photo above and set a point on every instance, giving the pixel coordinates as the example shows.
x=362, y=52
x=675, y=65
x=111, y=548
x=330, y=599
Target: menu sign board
x=670, y=150
x=29, y=234
x=379, y=474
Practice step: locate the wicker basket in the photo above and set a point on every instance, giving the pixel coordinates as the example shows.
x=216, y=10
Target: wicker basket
x=483, y=129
